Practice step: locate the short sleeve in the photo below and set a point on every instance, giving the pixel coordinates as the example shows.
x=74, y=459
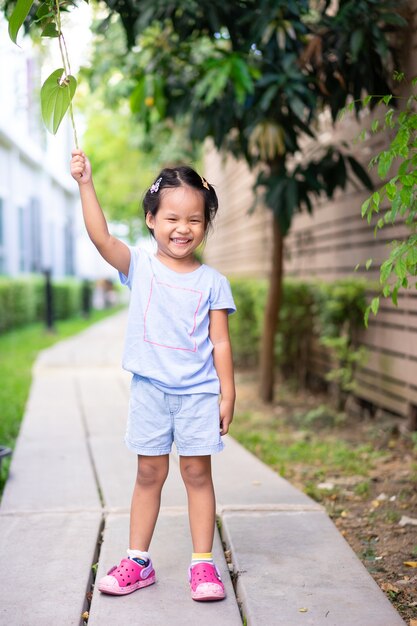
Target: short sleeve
x=221, y=295
x=134, y=258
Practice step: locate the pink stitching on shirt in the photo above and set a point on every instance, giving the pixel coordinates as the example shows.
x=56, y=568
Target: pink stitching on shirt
x=161, y=345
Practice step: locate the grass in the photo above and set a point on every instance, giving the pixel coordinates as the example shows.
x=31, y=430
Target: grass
x=18, y=351
x=281, y=449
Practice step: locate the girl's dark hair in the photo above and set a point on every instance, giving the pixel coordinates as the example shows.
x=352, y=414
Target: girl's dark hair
x=170, y=178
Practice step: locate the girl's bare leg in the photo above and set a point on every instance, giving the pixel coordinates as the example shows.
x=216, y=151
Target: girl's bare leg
x=196, y=473
x=146, y=499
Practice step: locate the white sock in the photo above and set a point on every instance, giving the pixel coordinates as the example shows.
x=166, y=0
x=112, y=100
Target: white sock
x=138, y=554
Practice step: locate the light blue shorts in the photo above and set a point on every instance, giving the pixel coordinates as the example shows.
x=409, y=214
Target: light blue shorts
x=156, y=419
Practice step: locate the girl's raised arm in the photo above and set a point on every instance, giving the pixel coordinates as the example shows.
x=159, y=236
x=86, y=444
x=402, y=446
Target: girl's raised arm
x=111, y=249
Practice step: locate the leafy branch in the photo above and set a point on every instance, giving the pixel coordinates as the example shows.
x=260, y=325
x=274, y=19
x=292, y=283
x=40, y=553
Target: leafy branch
x=59, y=88
x=396, y=200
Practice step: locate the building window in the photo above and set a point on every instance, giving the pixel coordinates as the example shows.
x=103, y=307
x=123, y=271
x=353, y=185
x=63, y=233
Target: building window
x=23, y=248
x=2, y=245
x=35, y=263
x=69, y=249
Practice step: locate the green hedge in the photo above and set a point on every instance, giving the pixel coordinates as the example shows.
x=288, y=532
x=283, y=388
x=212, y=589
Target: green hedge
x=22, y=300
x=309, y=308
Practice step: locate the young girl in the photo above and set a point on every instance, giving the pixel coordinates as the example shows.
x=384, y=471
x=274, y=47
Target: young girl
x=178, y=350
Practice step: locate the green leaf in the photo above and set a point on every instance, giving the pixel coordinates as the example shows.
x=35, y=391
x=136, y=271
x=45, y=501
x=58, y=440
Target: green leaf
x=375, y=126
x=400, y=268
x=18, y=16
x=385, y=161
x=356, y=43
x=365, y=205
x=376, y=199
x=391, y=190
x=395, y=20
x=56, y=95
x=412, y=256
x=44, y=12
x=50, y=30
x=368, y=263
x=375, y=305
x=385, y=271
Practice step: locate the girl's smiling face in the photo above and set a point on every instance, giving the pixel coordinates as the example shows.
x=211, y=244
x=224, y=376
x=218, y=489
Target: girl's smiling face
x=179, y=224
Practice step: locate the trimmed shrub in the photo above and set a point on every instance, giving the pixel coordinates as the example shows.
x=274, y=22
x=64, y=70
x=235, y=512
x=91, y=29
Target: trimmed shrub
x=310, y=309
x=246, y=324
x=22, y=300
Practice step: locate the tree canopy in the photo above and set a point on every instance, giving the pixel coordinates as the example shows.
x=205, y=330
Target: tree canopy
x=254, y=75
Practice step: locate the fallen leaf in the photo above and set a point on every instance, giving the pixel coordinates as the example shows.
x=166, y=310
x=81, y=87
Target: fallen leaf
x=85, y=615
x=375, y=504
x=410, y=563
x=389, y=587
x=413, y=622
x=303, y=610
x=405, y=520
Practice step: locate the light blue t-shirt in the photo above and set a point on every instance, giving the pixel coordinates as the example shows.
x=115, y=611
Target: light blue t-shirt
x=167, y=339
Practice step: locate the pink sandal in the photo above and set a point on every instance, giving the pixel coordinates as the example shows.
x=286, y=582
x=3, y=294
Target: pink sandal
x=205, y=582
x=127, y=577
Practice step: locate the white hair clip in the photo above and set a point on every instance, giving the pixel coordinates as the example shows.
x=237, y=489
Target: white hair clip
x=155, y=187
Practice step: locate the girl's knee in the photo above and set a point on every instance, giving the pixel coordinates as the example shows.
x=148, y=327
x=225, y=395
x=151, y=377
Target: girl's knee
x=152, y=471
x=196, y=471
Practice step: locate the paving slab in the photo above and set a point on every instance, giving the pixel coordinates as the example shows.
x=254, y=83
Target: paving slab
x=295, y=568
x=100, y=346
x=42, y=582
x=169, y=600
x=242, y=480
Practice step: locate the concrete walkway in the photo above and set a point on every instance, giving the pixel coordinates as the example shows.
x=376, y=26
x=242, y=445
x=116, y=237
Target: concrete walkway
x=66, y=506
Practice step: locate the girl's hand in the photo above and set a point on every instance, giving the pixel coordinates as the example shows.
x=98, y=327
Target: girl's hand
x=226, y=415
x=80, y=167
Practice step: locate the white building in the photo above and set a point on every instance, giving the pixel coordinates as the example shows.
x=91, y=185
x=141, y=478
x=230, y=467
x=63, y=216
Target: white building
x=40, y=222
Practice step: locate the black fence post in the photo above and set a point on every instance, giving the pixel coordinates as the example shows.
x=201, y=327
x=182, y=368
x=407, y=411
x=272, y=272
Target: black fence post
x=86, y=298
x=49, y=301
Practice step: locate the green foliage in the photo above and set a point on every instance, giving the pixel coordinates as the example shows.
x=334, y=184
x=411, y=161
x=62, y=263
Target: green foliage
x=124, y=157
x=22, y=300
x=339, y=309
x=246, y=324
x=58, y=90
x=330, y=311
x=295, y=329
x=254, y=76
x=19, y=302
x=395, y=201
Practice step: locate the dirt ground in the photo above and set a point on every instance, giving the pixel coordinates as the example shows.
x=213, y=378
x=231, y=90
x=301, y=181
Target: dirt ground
x=376, y=510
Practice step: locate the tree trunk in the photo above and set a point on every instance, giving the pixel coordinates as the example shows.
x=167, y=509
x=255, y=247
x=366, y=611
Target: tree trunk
x=273, y=305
